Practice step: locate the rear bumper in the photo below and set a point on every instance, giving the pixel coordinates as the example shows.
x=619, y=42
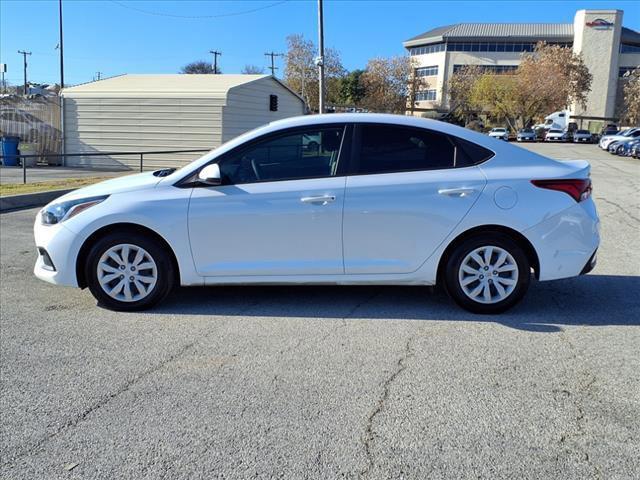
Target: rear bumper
x=591, y=264
x=566, y=242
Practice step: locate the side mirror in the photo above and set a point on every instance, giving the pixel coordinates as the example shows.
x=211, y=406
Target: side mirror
x=210, y=175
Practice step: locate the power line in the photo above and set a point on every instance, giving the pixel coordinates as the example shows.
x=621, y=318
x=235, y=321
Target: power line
x=222, y=15
x=273, y=67
x=215, y=54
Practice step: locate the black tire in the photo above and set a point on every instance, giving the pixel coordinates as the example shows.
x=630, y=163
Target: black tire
x=165, y=278
x=457, y=256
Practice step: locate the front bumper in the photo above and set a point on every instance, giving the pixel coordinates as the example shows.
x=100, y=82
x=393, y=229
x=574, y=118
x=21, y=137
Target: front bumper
x=62, y=247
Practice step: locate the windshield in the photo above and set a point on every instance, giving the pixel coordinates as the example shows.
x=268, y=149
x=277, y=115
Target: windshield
x=499, y=130
x=526, y=130
x=555, y=131
x=583, y=132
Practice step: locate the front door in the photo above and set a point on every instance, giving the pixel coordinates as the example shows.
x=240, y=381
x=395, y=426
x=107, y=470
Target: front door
x=278, y=211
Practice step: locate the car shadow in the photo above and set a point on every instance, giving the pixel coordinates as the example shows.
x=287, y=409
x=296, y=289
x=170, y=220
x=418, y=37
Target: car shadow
x=593, y=300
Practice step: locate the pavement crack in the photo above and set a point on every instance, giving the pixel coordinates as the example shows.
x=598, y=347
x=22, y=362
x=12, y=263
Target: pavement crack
x=584, y=388
x=77, y=419
x=619, y=207
x=369, y=434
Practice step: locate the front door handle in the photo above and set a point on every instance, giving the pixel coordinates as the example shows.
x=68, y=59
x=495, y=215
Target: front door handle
x=321, y=200
x=457, y=192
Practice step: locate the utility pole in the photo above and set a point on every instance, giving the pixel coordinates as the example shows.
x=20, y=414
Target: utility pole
x=273, y=66
x=24, y=57
x=98, y=76
x=320, y=59
x=215, y=54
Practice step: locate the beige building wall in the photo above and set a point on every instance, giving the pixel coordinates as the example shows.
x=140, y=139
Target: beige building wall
x=133, y=124
x=137, y=113
x=247, y=106
x=599, y=47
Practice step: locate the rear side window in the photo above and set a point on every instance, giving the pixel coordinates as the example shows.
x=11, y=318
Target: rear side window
x=388, y=148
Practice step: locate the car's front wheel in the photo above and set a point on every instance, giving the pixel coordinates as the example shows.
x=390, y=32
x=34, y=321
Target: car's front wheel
x=487, y=274
x=129, y=272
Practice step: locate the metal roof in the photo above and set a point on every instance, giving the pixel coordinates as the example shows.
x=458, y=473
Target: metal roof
x=205, y=85
x=524, y=31
x=629, y=36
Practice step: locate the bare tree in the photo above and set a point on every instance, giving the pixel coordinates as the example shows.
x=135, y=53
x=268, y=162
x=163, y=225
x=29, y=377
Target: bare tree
x=199, y=66
x=301, y=73
x=631, y=97
x=391, y=85
x=252, y=70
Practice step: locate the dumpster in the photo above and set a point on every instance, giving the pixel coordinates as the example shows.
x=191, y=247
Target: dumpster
x=27, y=148
x=10, y=151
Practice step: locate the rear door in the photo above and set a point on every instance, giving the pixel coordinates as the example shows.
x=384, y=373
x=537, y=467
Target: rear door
x=407, y=190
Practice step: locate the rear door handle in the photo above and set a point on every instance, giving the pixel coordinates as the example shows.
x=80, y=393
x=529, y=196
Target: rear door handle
x=321, y=200
x=457, y=192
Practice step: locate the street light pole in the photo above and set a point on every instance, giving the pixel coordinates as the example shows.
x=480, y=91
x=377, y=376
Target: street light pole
x=63, y=148
x=61, y=46
x=320, y=59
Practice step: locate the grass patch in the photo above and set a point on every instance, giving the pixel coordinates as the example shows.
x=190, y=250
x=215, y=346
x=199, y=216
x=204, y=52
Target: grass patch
x=19, y=188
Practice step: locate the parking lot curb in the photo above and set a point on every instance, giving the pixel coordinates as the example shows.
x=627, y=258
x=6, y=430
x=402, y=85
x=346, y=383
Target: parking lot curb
x=30, y=200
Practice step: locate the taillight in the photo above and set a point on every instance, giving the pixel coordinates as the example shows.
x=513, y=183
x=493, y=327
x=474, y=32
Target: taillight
x=578, y=189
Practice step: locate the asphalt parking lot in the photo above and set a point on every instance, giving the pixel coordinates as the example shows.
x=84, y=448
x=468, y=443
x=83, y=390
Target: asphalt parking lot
x=330, y=382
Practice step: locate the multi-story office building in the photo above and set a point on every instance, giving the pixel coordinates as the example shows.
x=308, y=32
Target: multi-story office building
x=608, y=49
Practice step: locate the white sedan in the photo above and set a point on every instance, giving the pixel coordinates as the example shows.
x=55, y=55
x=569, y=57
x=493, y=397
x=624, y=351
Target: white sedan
x=384, y=199
x=501, y=133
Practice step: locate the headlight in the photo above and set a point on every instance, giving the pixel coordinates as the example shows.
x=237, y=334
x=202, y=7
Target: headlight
x=58, y=212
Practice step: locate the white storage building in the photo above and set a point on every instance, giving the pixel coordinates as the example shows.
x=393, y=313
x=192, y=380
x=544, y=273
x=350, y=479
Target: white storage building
x=136, y=113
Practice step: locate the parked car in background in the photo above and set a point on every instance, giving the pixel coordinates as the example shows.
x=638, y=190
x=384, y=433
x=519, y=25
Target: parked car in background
x=555, y=135
x=623, y=147
x=500, y=133
x=635, y=151
x=526, y=135
x=610, y=129
x=625, y=134
x=582, y=136
x=402, y=200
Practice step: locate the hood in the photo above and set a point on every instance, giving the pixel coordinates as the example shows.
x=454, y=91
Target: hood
x=127, y=183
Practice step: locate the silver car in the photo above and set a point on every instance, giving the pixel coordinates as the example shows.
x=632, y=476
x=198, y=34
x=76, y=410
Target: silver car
x=526, y=135
x=582, y=136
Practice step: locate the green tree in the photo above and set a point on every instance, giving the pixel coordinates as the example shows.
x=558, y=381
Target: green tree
x=352, y=90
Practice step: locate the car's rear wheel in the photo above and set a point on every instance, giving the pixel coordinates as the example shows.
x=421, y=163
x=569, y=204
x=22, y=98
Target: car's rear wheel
x=487, y=274
x=129, y=272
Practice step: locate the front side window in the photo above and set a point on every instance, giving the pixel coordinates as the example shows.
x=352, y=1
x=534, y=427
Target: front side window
x=387, y=149
x=309, y=153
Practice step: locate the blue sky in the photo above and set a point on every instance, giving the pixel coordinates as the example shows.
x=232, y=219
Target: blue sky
x=114, y=37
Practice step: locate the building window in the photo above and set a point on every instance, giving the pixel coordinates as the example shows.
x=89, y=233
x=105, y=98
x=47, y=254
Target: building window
x=492, y=69
x=427, y=71
x=425, y=95
x=436, y=47
x=628, y=48
x=497, y=46
x=624, y=70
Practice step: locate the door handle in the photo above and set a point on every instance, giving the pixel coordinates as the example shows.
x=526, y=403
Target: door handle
x=322, y=200
x=457, y=192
